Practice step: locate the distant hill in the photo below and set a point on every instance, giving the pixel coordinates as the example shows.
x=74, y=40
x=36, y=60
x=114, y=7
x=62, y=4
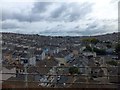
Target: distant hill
x=106, y=37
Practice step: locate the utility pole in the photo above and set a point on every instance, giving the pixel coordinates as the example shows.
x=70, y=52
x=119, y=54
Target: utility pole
x=26, y=67
x=26, y=75
x=87, y=77
x=56, y=75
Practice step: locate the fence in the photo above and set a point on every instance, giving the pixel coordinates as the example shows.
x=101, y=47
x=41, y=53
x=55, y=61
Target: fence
x=87, y=76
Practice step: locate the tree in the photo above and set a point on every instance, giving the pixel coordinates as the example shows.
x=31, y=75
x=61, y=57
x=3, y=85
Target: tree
x=88, y=48
x=91, y=40
x=109, y=45
x=112, y=63
x=86, y=40
x=99, y=51
x=94, y=40
x=74, y=70
x=117, y=48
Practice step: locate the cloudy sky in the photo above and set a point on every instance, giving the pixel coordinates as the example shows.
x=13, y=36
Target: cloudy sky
x=63, y=18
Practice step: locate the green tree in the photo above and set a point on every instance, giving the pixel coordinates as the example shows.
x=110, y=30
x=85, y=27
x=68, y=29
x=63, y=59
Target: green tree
x=112, y=63
x=86, y=40
x=88, y=48
x=109, y=45
x=117, y=48
x=94, y=40
x=99, y=51
x=91, y=40
x=74, y=70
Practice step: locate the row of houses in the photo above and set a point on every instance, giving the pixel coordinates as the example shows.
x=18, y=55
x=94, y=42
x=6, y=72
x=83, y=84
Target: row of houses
x=42, y=59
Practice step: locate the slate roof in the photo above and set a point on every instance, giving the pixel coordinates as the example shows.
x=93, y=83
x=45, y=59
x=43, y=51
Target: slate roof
x=63, y=53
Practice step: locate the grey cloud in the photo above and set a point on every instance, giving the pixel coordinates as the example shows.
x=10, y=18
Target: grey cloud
x=22, y=17
x=65, y=12
x=86, y=31
x=93, y=28
x=33, y=15
x=79, y=11
x=72, y=11
x=40, y=7
x=57, y=12
x=9, y=25
x=93, y=31
x=18, y=16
